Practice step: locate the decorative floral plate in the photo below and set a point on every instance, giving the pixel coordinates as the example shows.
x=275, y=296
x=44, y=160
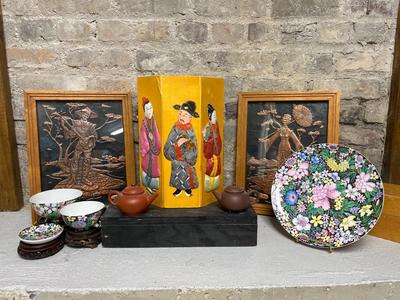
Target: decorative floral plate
x=40, y=234
x=327, y=195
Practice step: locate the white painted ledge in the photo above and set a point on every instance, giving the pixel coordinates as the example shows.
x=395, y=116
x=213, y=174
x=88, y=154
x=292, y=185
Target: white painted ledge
x=276, y=265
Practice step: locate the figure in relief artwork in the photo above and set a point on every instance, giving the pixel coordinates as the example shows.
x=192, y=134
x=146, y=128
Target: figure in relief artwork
x=86, y=135
x=212, y=146
x=77, y=132
x=284, y=134
x=181, y=149
x=280, y=129
x=150, y=148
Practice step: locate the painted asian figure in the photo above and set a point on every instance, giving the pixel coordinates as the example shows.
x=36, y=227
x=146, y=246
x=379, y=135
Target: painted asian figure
x=212, y=146
x=181, y=149
x=150, y=148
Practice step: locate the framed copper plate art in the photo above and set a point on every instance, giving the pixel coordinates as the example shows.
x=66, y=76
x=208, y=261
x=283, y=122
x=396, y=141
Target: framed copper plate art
x=327, y=195
x=271, y=127
x=81, y=140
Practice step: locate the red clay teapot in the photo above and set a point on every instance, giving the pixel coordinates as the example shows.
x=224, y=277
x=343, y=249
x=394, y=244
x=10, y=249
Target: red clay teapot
x=233, y=199
x=132, y=200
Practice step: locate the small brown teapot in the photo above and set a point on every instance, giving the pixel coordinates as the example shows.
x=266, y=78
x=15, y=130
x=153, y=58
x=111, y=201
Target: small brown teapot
x=233, y=199
x=132, y=200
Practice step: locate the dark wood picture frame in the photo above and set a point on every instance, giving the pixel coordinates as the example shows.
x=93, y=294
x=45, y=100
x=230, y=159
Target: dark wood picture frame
x=245, y=98
x=32, y=100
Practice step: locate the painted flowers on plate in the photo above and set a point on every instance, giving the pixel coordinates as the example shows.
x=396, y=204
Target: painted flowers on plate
x=38, y=234
x=327, y=195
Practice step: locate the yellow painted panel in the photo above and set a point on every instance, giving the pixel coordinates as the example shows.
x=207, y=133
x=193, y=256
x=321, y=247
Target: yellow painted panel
x=213, y=93
x=149, y=87
x=176, y=91
x=165, y=92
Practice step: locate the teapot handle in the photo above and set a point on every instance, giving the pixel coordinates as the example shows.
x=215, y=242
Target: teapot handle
x=111, y=194
x=256, y=195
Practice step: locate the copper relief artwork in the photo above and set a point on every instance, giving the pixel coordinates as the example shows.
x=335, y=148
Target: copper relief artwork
x=275, y=131
x=83, y=146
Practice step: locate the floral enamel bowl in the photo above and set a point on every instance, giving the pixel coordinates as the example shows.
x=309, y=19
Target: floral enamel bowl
x=47, y=204
x=82, y=215
x=327, y=195
x=40, y=234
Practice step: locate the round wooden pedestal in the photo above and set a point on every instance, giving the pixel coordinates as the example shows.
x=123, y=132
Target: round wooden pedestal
x=29, y=251
x=90, y=238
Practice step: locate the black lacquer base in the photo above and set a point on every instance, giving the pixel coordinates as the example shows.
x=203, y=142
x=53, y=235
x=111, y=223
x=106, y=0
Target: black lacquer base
x=208, y=226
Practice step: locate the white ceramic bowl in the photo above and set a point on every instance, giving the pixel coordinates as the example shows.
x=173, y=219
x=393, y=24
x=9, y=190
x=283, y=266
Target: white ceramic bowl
x=47, y=204
x=82, y=215
x=40, y=234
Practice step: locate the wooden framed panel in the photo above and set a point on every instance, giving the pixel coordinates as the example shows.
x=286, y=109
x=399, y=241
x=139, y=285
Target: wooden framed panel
x=80, y=140
x=271, y=126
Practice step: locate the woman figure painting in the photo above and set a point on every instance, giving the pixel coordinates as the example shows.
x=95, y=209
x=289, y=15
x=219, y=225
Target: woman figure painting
x=212, y=146
x=149, y=147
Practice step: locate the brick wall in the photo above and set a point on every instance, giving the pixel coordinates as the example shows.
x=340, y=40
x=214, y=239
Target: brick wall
x=254, y=44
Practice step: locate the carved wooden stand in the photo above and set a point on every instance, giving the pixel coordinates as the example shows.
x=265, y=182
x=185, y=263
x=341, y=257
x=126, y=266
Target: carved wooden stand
x=28, y=251
x=90, y=238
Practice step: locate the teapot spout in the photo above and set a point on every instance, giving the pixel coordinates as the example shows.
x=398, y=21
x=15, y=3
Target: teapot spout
x=216, y=195
x=151, y=197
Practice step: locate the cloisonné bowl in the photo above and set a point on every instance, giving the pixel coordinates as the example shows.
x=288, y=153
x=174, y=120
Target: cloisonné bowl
x=82, y=215
x=40, y=234
x=327, y=195
x=47, y=204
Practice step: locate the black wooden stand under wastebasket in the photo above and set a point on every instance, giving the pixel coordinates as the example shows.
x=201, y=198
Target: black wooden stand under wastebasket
x=208, y=226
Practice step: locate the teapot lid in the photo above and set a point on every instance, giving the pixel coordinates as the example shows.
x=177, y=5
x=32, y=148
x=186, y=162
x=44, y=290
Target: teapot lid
x=133, y=190
x=234, y=189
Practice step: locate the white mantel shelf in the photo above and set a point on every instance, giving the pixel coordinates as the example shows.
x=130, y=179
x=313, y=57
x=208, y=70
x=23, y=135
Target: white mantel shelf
x=278, y=267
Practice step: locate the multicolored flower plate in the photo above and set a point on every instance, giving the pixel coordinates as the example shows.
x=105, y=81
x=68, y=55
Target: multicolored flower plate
x=40, y=234
x=327, y=195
